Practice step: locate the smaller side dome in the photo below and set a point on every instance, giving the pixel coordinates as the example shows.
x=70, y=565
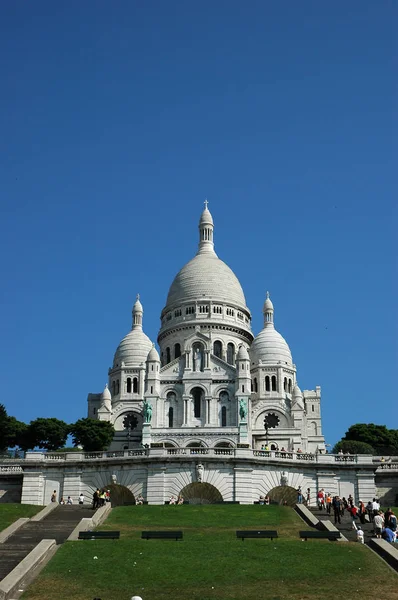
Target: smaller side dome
x=242, y=353
x=298, y=403
x=153, y=354
x=106, y=394
x=297, y=392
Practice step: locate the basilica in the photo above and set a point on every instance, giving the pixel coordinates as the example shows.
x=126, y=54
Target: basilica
x=212, y=384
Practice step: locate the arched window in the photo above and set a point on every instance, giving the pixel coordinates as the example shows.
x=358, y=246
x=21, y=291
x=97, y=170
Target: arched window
x=224, y=416
x=135, y=385
x=273, y=382
x=171, y=412
x=113, y=388
x=177, y=350
x=290, y=386
x=285, y=385
x=167, y=356
x=255, y=385
x=197, y=402
x=129, y=385
x=267, y=384
x=117, y=386
x=151, y=389
x=230, y=354
x=217, y=349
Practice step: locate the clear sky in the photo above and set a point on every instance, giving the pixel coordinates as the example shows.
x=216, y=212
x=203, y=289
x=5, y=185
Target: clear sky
x=117, y=119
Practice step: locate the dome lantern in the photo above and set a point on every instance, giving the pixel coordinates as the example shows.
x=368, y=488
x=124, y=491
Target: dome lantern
x=268, y=312
x=206, y=228
x=138, y=311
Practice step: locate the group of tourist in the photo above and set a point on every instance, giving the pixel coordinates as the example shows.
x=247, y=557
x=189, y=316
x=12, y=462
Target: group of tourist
x=69, y=499
x=178, y=500
x=100, y=497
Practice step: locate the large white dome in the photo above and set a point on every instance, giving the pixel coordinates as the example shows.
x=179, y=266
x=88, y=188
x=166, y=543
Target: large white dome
x=270, y=347
x=206, y=277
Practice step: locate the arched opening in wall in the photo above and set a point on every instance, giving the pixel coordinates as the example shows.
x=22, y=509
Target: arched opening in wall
x=312, y=428
x=171, y=415
x=223, y=416
x=217, y=349
x=119, y=494
x=255, y=385
x=224, y=445
x=273, y=383
x=177, y=350
x=168, y=357
x=274, y=446
x=267, y=384
x=283, y=494
x=113, y=388
x=201, y=493
x=197, y=444
x=290, y=386
x=230, y=354
x=285, y=385
x=135, y=385
x=197, y=395
x=128, y=389
x=169, y=445
x=117, y=386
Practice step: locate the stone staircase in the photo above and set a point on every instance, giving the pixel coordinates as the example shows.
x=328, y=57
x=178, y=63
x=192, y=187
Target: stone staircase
x=58, y=525
x=346, y=524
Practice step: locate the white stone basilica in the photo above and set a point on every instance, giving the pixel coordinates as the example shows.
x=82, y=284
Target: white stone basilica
x=214, y=384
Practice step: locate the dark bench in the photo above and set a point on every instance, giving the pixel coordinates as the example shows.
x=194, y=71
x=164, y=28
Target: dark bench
x=134, y=503
x=99, y=535
x=320, y=535
x=257, y=534
x=161, y=535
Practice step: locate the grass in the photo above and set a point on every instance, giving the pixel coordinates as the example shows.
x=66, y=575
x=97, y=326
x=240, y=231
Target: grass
x=210, y=563
x=11, y=512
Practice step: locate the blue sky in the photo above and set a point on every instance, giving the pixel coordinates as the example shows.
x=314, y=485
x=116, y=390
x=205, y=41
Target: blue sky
x=118, y=119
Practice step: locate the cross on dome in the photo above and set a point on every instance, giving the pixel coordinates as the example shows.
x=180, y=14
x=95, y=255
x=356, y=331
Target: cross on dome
x=206, y=203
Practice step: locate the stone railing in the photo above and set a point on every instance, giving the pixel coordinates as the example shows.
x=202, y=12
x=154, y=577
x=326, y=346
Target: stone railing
x=11, y=469
x=246, y=453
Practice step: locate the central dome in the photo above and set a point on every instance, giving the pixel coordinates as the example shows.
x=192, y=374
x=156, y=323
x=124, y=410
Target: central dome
x=206, y=277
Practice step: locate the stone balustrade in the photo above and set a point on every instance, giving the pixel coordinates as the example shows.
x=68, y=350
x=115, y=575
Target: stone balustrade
x=249, y=453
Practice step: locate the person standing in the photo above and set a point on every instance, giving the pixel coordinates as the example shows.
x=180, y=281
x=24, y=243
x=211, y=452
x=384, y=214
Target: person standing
x=378, y=525
x=96, y=499
x=360, y=536
x=337, y=509
x=81, y=498
x=54, y=496
x=328, y=503
x=362, y=512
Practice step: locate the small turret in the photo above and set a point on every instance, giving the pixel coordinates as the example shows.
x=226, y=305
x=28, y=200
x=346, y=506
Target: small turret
x=298, y=402
x=138, y=311
x=268, y=312
x=152, y=372
x=206, y=228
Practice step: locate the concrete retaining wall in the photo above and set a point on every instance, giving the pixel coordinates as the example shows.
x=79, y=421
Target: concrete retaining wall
x=386, y=551
x=11, y=529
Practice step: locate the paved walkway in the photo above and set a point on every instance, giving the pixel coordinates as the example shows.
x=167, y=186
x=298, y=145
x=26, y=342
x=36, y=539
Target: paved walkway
x=58, y=526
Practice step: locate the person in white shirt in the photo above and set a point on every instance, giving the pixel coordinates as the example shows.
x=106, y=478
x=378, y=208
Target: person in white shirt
x=378, y=525
x=375, y=507
x=360, y=536
x=81, y=499
x=69, y=500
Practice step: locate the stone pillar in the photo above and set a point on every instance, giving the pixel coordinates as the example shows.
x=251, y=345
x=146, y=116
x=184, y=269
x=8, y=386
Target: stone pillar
x=243, y=436
x=243, y=484
x=328, y=481
x=155, y=485
x=146, y=434
x=72, y=485
x=208, y=406
x=365, y=488
x=33, y=488
x=186, y=404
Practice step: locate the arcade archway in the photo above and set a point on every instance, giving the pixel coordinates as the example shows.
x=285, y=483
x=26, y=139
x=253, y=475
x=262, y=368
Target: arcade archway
x=119, y=494
x=283, y=494
x=201, y=493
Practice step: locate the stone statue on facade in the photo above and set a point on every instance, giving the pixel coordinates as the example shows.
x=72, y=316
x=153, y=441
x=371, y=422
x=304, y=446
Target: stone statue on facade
x=199, y=472
x=198, y=360
x=283, y=478
x=114, y=479
x=242, y=409
x=147, y=412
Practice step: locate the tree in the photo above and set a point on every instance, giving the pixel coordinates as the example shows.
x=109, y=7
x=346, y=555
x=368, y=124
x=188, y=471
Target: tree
x=353, y=447
x=4, y=428
x=93, y=435
x=383, y=440
x=11, y=430
x=50, y=433
x=17, y=433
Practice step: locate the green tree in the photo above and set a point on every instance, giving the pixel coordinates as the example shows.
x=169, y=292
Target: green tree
x=383, y=440
x=50, y=433
x=353, y=447
x=92, y=434
x=4, y=428
x=11, y=430
x=17, y=435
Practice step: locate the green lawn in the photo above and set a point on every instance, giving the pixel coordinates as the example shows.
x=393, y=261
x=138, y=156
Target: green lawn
x=11, y=512
x=210, y=563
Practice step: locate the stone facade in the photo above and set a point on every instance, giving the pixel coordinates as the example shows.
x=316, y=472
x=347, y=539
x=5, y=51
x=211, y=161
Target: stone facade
x=213, y=384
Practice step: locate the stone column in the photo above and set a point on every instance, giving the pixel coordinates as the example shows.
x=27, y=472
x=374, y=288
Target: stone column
x=155, y=485
x=243, y=483
x=33, y=488
x=72, y=485
x=208, y=416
